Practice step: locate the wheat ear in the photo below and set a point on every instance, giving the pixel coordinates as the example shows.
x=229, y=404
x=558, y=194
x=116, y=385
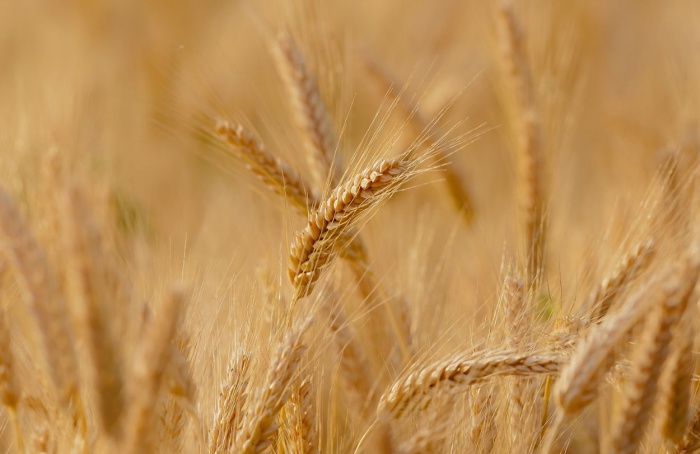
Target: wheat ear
x=310, y=111
x=578, y=382
x=354, y=369
x=181, y=385
x=172, y=425
x=299, y=421
x=518, y=318
x=280, y=179
x=149, y=372
x=650, y=357
x=483, y=430
x=517, y=312
x=181, y=399
x=431, y=433
x=277, y=176
x=459, y=373
x=457, y=189
x=631, y=265
x=676, y=382
x=314, y=246
x=229, y=405
x=274, y=173
x=691, y=439
x=42, y=295
x=258, y=426
x=89, y=307
x=528, y=150
x=9, y=392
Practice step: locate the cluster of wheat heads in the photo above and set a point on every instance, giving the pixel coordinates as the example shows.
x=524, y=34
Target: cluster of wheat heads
x=101, y=350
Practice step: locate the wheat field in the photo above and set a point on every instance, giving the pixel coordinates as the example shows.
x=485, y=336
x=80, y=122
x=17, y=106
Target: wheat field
x=306, y=226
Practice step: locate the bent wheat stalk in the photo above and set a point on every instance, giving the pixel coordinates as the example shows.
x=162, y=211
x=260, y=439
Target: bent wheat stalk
x=457, y=374
x=280, y=179
x=315, y=246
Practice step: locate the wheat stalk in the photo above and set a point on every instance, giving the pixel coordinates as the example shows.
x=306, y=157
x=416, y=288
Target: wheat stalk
x=483, y=431
x=310, y=111
x=258, y=423
x=148, y=375
x=579, y=379
x=274, y=173
x=528, y=151
x=43, y=297
x=89, y=306
x=631, y=266
x=353, y=365
x=640, y=393
x=675, y=385
x=299, y=421
x=9, y=391
x=277, y=176
x=460, y=372
x=229, y=405
x=314, y=247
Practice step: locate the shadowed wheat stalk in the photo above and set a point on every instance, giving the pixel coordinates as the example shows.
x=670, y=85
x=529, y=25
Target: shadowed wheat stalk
x=43, y=298
x=88, y=304
x=148, y=375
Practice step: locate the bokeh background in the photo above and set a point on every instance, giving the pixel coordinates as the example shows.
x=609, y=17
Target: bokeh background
x=121, y=90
